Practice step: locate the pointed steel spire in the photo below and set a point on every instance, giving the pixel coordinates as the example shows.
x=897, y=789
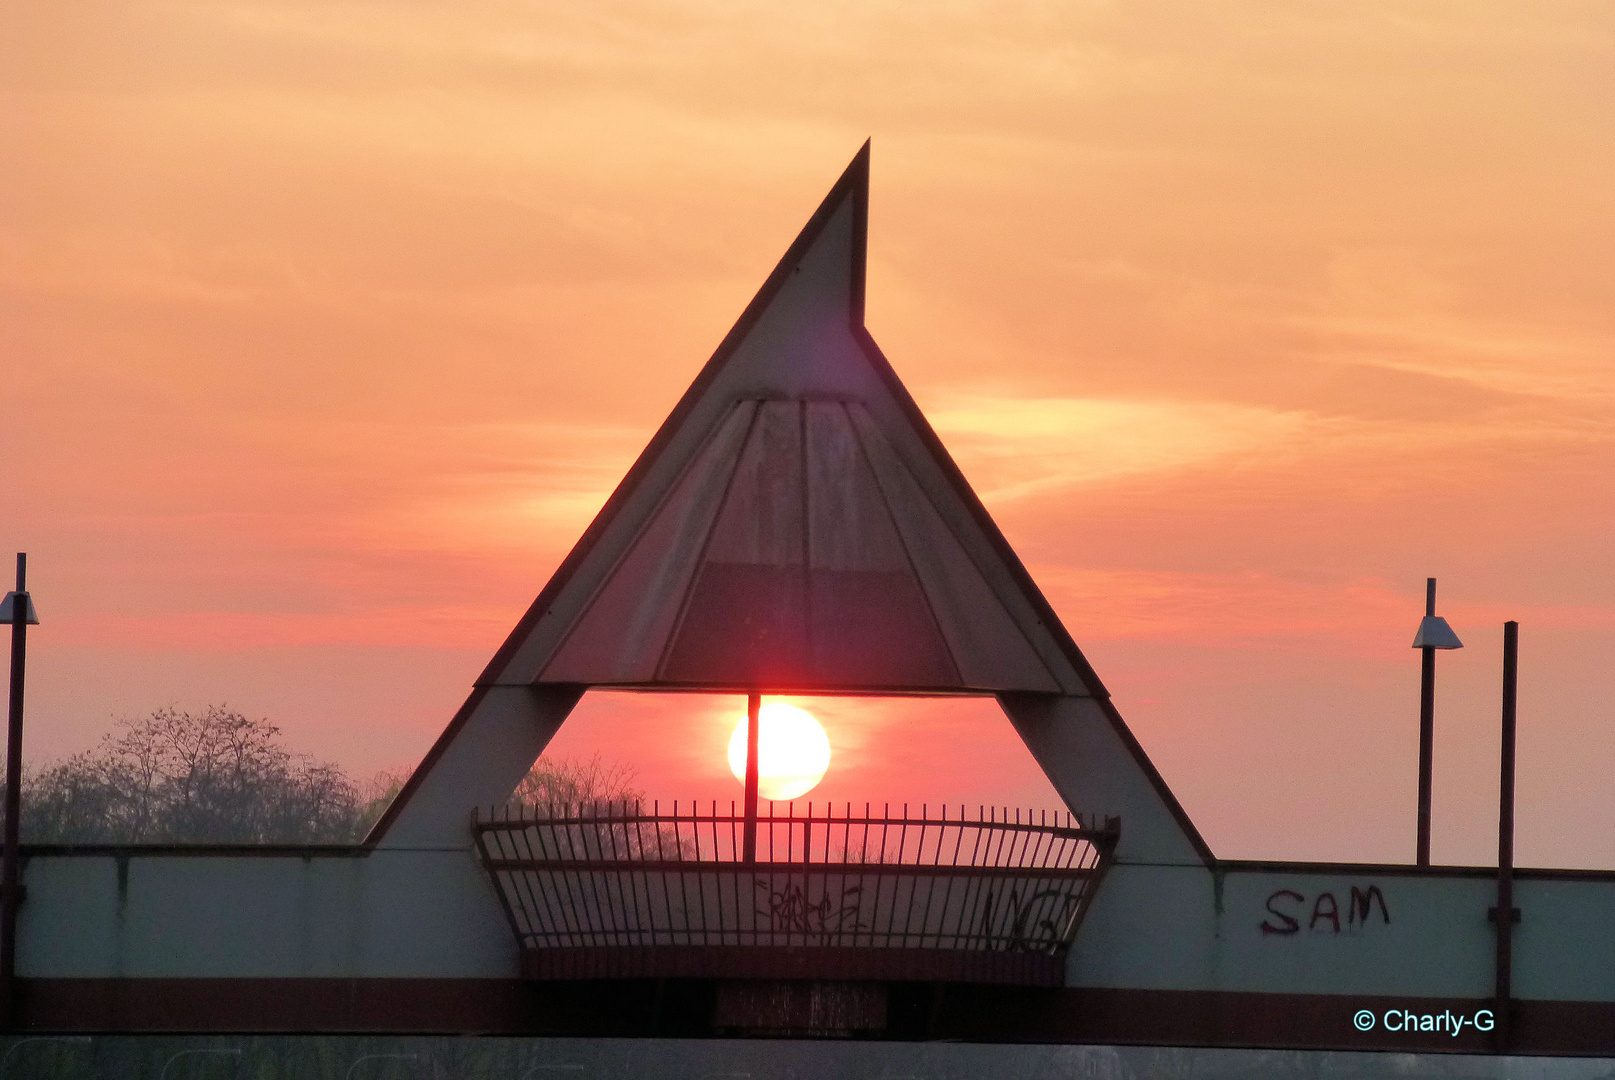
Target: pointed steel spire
x=795, y=524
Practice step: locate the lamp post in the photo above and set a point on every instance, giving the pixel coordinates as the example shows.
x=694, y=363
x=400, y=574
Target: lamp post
x=18, y=610
x=1434, y=633
x=1505, y=914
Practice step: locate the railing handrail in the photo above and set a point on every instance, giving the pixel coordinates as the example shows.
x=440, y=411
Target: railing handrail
x=528, y=815
x=835, y=866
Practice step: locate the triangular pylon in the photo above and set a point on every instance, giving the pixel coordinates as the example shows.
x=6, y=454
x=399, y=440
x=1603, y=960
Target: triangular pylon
x=795, y=526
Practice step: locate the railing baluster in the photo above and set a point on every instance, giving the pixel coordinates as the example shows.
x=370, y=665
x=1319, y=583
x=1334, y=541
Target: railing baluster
x=528, y=894
x=575, y=922
x=586, y=874
x=634, y=847
x=684, y=884
x=700, y=878
x=744, y=906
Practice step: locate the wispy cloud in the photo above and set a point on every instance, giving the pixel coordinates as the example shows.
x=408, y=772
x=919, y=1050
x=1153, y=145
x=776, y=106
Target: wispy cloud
x=1034, y=446
x=336, y=321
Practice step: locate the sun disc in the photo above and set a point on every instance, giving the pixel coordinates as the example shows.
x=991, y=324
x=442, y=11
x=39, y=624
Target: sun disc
x=793, y=752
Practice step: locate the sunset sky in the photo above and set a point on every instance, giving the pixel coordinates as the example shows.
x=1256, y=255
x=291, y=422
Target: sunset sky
x=325, y=329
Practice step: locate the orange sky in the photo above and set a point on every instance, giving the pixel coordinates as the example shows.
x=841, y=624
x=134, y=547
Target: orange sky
x=327, y=327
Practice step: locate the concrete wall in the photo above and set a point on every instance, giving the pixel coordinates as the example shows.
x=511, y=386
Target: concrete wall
x=391, y=913
x=1301, y=929
x=431, y=913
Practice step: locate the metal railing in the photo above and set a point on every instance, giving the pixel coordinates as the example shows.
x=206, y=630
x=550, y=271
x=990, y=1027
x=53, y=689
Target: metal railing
x=615, y=875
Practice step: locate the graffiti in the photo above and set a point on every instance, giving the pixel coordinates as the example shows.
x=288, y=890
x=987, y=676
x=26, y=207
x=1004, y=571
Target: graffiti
x=1363, y=902
x=1038, y=925
x=1288, y=925
x=1332, y=912
x=789, y=910
x=1325, y=912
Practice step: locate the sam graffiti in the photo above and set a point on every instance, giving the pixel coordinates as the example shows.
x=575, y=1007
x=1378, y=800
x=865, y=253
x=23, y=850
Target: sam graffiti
x=1287, y=910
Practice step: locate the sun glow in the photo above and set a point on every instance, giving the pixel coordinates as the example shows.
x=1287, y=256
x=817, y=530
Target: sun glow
x=793, y=751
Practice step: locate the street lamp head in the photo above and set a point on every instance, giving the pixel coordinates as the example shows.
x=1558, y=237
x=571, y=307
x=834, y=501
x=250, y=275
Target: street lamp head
x=8, y=608
x=1434, y=633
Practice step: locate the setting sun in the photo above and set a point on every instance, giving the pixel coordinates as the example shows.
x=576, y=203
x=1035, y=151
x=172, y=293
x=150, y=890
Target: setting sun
x=793, y=751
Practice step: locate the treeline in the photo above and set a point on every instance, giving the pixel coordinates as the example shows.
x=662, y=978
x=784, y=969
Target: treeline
x=217, y=777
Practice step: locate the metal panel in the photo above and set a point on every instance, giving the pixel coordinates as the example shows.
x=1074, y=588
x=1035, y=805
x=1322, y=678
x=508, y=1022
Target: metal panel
x=623, y=633
x=745, y=622
x=870, y=623
x=781, y=558
x=991, y=650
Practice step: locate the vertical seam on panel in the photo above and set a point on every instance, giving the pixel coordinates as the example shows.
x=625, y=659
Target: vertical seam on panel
x=971, y=560
x=706, y=544
x=807, y=546
x=902, y=542
x=633, y=541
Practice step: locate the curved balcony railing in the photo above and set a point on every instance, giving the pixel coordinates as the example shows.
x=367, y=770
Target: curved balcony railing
x=614, y=891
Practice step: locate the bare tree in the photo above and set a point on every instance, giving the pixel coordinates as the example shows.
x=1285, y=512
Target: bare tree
x=564, y=788
x=562, y=782
x=216, y=777
x=179, y=777
x=377, y=793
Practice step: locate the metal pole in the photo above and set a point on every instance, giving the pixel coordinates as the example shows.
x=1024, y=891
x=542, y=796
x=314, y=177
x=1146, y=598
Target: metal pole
x=753, y=703
x=1427, y=729
x=10, y=892
x=1504, y=915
